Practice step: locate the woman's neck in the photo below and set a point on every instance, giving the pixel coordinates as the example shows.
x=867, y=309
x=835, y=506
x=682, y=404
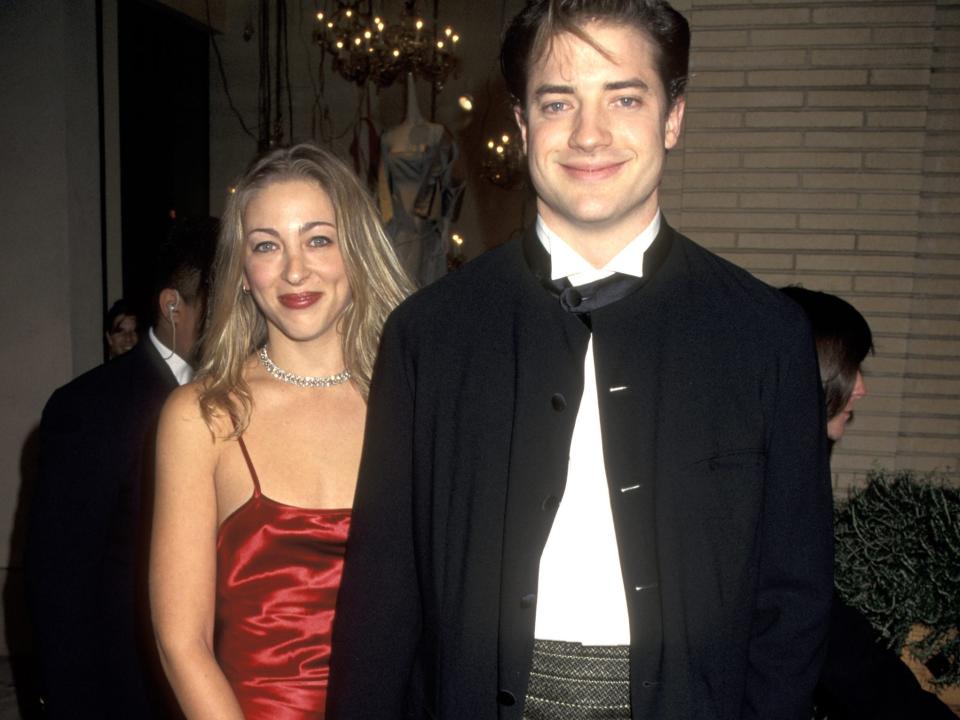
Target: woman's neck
x=317, y=357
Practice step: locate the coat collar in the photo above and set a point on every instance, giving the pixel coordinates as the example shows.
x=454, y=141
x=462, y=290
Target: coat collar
x=147, y=355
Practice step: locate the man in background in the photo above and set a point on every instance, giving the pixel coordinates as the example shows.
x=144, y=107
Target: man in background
x=86, y=552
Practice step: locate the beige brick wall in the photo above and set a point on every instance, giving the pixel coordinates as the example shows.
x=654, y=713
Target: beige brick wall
x=822, y=147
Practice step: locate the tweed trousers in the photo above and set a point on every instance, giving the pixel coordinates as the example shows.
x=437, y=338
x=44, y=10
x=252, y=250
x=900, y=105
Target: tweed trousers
x=569, y=681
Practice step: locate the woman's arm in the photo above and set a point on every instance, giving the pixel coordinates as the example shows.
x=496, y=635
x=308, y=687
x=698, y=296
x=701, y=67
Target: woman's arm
x=183, y=564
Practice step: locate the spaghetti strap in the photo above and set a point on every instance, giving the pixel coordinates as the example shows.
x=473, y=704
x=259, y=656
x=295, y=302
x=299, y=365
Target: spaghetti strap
x=253, y=473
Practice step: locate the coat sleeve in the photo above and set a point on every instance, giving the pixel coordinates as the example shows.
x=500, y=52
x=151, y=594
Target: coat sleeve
x=791, y=615
x=73, y=505
x=378, y=617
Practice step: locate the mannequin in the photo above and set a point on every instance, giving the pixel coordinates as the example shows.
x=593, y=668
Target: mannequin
x=419, y=196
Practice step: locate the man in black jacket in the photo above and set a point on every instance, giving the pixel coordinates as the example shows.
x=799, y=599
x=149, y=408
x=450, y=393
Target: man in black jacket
x=586, y=484
x=86, y=553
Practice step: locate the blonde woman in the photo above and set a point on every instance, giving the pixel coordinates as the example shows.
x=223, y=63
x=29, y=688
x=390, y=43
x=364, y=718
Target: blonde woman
x=257, y=459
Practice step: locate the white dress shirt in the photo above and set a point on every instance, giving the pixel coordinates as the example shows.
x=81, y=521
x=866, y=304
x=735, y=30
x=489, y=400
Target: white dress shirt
x=580, y=596
x=178, y=366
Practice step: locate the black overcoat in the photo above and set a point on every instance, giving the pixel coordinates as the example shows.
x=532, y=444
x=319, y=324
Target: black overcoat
x=87, y=541
x=714, y=448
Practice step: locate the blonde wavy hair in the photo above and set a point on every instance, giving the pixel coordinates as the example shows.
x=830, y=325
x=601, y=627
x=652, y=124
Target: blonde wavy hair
x=236, y=327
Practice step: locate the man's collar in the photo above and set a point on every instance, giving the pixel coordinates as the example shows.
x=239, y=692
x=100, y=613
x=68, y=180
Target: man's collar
x=537, y=259
x=178, y=366
x=565, y=262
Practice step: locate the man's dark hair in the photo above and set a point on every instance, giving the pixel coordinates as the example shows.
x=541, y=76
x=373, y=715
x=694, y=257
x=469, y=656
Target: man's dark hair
x=530, y=33
x=843, y=340
x=185, y=257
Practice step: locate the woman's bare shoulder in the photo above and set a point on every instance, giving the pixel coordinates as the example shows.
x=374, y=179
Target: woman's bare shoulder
x=185, y=399
x=182, y=413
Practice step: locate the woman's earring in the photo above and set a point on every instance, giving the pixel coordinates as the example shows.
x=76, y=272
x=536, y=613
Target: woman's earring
x=246, y=290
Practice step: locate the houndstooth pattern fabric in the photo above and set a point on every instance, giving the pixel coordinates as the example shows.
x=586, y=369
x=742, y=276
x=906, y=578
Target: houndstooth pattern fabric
x=569, y=681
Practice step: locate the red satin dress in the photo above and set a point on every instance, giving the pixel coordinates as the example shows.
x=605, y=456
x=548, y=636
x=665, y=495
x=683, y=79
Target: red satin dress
x=278, y=572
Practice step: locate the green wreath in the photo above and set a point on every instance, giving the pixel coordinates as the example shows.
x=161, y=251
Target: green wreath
x=898, y=561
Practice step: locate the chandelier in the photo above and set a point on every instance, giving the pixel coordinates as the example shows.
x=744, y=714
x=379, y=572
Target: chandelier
x=365, y=47
x=503, y=163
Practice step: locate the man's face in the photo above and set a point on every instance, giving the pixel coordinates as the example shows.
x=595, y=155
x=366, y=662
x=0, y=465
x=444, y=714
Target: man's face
x=596, y=131
x=838, y=423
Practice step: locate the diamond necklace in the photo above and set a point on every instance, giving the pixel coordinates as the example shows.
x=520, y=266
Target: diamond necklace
x=301, y=380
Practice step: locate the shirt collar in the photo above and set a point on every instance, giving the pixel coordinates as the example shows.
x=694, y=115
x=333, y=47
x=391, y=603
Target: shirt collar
x=178, y=366
x=565, y=262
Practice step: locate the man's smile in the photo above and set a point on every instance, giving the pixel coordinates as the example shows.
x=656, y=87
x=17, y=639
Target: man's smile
x=593, y=171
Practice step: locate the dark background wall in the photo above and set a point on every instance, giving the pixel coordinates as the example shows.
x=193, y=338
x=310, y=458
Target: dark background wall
x=50, y=235
x=164, y=124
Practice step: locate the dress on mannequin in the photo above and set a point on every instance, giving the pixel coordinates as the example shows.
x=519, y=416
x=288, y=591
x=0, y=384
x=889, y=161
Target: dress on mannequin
x=419, y=195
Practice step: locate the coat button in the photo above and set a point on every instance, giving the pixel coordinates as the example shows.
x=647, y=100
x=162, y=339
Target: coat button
x=559, y=402
x=550, y=503
x=528, y=601
x=572, y=297
x=506, y=698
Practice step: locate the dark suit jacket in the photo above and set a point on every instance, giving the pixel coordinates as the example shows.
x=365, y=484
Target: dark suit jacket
x=712, y=430
x=86, y=553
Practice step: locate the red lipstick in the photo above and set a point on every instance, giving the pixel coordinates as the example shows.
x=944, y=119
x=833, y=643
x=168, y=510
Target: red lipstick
x=299, y=301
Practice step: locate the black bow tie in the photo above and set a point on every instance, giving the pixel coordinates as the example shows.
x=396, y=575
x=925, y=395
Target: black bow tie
x=584, y=299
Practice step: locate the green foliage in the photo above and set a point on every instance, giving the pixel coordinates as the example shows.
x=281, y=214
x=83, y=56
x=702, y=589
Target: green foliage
x=898, y=561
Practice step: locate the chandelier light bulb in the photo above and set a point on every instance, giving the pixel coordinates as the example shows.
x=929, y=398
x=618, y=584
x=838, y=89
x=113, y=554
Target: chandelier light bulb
x=364, y=50
x=465, y=102
x=503, y=166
